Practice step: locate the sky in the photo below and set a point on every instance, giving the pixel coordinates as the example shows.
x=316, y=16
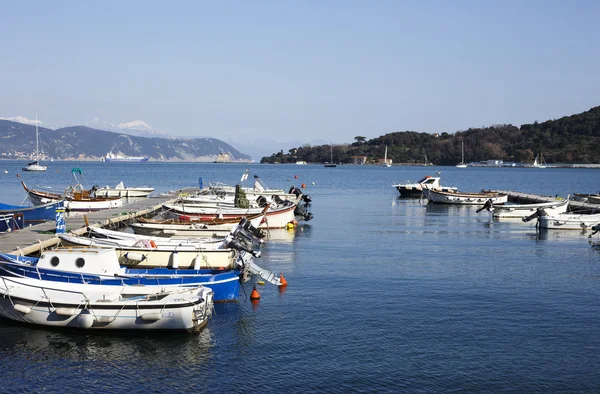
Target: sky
x=273, y=73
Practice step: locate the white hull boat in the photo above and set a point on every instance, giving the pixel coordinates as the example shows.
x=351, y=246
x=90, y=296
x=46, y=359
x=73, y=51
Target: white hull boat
x=415, y=189
x=121, y=191
x=84, y=306
x=275, y=217
x=189, y=229
x=75, y=199
x=524, y=210
x=35, y=166
x=569, y=221
x=460, y=198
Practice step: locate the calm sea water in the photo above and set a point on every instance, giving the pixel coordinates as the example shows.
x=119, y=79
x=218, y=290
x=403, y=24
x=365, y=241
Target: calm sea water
x=384, y=295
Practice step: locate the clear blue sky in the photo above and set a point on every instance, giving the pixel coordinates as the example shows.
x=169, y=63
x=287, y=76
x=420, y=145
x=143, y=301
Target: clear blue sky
x=299, y=70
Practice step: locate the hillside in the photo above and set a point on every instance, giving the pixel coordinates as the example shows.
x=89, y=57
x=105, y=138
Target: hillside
x=571, y=139
x=17, y=140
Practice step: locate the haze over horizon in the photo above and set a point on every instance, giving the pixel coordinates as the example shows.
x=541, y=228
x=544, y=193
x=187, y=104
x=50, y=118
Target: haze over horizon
x=276, y=72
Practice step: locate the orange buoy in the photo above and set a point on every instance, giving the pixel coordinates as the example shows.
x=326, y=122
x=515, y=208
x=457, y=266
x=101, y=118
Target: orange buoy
x=295, y=176
x=282, y=279
x=255, y=295
x=303, y=185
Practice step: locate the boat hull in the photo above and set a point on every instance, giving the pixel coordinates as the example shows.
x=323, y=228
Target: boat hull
x=35, y=214
x=569, y=221
x=524, y=210
x=465, y=198
x=127, y=192
x=102, y=307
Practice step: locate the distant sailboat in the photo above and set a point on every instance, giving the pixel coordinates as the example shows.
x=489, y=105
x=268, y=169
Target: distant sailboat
x=35, y=165
x=385, y=160
x=331, y=163
x=427, y=163
x=541, y=163
x=462, y=163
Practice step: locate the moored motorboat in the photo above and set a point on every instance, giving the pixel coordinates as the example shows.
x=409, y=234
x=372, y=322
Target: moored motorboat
x=75, y=199
x=463, y=198
x=524, y=210
x=568, y=221
x=33, y=214
x=415, y=189
x=121, y=191
x=99, y=266
x=98, y=307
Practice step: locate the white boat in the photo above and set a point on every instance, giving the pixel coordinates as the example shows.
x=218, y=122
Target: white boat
x=75, y=199
x=569, y=221
x=35, y=165
x=60, y=304
x=121, y=191
x=385, y=159
x=524, y=210
x=462, y=163
x=330, y=164
x=539, y=162
x=301, y=163
x=189, y=228
x=119, y=158
x=275, y=217
x=415, y=189
x=462, y=198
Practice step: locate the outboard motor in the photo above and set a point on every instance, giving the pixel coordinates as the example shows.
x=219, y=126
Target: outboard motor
x=302, y=213
x=595, y=229
x=278, y=200
x=261, y=201
x=538, y=213
x=306, y=198
x=489, y=205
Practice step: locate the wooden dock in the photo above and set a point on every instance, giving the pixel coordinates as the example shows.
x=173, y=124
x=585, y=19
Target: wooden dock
x=527, y=198
x=31, y=240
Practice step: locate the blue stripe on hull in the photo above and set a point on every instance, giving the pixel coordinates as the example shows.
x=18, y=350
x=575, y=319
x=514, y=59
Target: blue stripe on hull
x=226, y=285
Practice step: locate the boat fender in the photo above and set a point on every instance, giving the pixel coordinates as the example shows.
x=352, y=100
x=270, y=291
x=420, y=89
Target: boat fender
x=105, y=319
x=22, y=308
x=197, y=262
x=153, y=244
x=151, y=316
x=85, y=320
x=133, y=256
x=175, y=260
x=66, y=311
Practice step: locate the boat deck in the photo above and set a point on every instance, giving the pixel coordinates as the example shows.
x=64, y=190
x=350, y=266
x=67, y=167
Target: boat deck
x=32, y=239
x=528, y=198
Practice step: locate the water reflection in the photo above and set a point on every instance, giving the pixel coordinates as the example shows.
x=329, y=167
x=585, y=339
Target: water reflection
x=111, y=346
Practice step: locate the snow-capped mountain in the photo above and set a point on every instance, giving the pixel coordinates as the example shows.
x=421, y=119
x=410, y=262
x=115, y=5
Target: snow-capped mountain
x=137, y=128
x=135, y=125
x=23, y=119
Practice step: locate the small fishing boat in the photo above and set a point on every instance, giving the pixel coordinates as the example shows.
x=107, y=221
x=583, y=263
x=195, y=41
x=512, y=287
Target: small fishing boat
x=75, y=199
x=121, y=191
x=10, y=222
x=98, y=307
x=187, y=228
x=275, y=217
x=33, y=214
x=99, y=266
x=524, y=210
x=415, y=189
x=463, y=198
x=568, y=221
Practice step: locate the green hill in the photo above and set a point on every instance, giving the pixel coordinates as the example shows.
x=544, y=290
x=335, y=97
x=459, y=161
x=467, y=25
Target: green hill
x=571, y=139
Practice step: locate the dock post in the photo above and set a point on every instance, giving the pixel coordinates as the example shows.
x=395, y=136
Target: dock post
x=60, y=221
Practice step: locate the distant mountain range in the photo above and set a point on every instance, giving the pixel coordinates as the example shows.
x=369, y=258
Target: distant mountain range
x=17, y=140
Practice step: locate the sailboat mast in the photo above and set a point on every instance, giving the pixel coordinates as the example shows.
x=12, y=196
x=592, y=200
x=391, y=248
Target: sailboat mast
x=37, y=146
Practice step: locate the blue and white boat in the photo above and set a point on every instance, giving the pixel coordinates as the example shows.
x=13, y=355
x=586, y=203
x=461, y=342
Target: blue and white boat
x=99, y=266
x=10, y=222
x=33, y=214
